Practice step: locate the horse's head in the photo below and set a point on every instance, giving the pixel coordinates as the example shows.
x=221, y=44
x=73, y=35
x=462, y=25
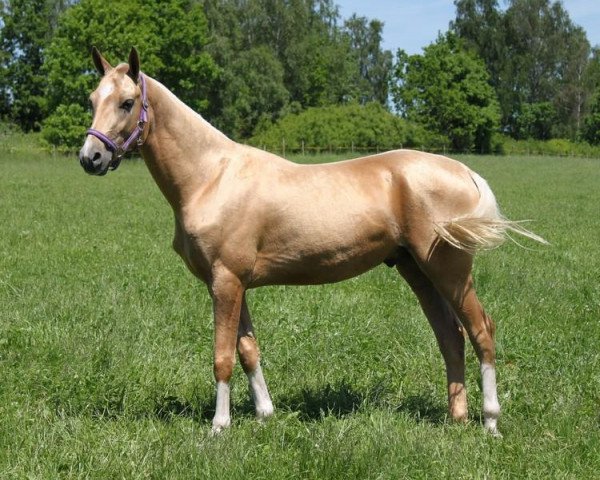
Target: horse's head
x=120, y=114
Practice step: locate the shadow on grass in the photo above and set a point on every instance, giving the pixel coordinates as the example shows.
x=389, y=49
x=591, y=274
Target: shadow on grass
x=311, y=404
x=423, y=409
x=165, y=408
x=314, y=404
x=169, y=407
x=342, y=400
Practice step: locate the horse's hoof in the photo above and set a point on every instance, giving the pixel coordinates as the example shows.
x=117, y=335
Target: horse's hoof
x=219, y=425
x=216, y=431
x=492, y=429
x=264, y=412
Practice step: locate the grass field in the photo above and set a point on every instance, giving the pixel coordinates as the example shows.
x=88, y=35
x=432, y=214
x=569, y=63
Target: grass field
x=105, y=345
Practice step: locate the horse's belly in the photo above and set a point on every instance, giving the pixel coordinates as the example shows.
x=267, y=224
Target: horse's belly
x=315, y=262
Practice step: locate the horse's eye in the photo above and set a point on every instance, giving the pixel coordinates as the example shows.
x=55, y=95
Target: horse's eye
x=127, y=105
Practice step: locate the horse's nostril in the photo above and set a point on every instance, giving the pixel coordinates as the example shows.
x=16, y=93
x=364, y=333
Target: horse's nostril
x=97, y=156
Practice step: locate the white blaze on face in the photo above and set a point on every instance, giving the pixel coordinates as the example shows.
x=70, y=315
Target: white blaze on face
x=91, y=144
x=106, y=90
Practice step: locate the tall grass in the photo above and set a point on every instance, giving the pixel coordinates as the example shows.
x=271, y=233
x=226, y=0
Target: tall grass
x=105, y=345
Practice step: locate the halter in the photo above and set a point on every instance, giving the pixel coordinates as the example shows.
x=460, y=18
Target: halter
x=136, y=135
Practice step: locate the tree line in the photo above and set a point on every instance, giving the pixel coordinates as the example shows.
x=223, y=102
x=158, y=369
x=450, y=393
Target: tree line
x=256, y=68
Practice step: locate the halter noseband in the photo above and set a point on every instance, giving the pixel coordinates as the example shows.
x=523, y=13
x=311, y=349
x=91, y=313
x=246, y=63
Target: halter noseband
x=136, y=135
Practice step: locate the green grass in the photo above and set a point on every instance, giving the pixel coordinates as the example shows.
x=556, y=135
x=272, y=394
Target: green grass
x=106, y=344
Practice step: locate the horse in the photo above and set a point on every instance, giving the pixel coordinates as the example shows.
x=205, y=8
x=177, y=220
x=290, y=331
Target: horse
x=246, y=218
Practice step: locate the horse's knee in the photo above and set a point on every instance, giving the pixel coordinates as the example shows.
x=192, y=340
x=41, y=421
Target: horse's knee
x=223, y=367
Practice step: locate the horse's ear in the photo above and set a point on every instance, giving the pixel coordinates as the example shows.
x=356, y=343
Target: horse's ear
x=101, y=64
x=134, y=64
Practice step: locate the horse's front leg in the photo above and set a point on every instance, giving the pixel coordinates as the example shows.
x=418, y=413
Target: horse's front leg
x=227, y=294
x=250, y=359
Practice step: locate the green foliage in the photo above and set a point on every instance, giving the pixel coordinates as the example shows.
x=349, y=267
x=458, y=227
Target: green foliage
x=535, y=55
x=299, y=55
x=536, y=120
x=447, y=90
x=251, y=90
x=591, y=128
x=554, y=147
x=244, y=64
x=171, y=36
x=26, y=27
x=375, y=65
x=66, y=127
x=370, y=126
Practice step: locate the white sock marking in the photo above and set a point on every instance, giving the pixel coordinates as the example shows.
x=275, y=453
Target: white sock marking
x=222, y=418
x=260, y=393
x=491, y=406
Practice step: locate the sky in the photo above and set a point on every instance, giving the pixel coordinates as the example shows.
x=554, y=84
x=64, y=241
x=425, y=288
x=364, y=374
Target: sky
x=414, y=24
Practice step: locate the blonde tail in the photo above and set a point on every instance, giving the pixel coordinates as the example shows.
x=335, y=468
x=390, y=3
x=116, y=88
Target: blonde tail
x=483, y=229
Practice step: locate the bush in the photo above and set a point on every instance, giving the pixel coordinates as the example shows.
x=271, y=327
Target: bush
x=343, y=126
x=66, y=127
x=556, y=147
x=536, y=120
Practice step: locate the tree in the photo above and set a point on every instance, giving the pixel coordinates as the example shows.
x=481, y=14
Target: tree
x=316, y=54
x=170, y=35
x=591, y=123
x=374, y=64
x=535, y=55
x=447, y=89
x=591, y=127
x=252, y=90
x=27, y=27
x=5, y=91
x=536, y=120
x=548, y=56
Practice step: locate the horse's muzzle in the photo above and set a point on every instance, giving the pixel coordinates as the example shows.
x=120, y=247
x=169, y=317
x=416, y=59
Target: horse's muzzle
x=93, y=165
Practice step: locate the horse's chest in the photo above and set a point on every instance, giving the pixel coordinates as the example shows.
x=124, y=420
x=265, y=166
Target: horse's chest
x=197, y=255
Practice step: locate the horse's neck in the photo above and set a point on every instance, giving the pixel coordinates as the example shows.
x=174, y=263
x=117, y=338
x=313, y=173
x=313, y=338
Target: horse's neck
x=181, y=149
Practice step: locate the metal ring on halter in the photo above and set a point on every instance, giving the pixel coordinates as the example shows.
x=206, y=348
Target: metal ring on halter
x=136, y=136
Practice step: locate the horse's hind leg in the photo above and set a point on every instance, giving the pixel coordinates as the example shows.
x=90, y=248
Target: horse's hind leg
x=249, y=355
x=447, y=329
x=449, y=269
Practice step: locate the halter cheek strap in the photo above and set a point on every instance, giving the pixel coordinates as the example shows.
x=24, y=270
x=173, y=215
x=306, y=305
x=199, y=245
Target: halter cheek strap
x=136, y=135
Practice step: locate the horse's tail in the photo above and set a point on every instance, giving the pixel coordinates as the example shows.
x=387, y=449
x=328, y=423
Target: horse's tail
x=485, y=228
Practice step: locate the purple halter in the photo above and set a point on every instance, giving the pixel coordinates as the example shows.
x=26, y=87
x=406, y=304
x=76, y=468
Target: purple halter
x=136, y=135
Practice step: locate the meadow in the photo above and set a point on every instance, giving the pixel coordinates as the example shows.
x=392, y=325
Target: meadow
x=106, y=344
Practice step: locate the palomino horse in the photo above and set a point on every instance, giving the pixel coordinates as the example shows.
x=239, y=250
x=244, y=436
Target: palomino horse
x=246, y=218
